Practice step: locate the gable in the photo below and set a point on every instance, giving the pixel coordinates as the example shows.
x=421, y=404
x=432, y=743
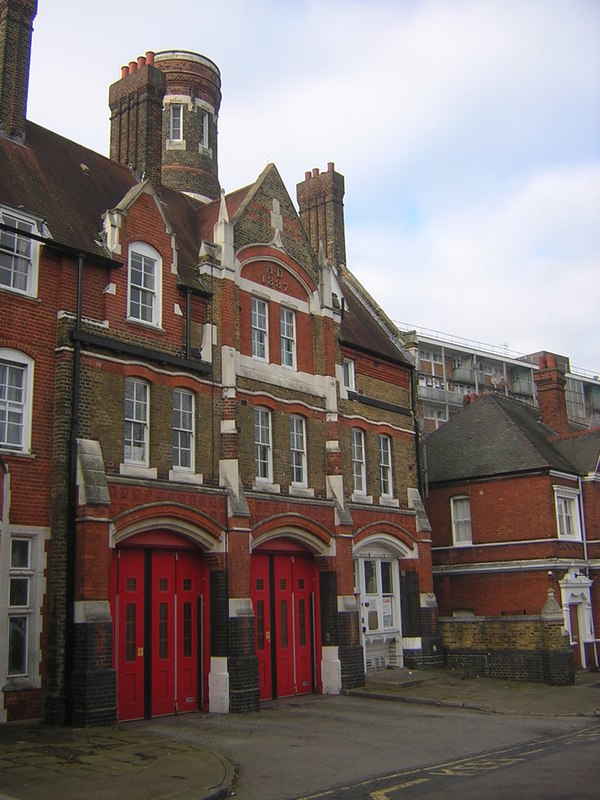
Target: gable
x=268, y=215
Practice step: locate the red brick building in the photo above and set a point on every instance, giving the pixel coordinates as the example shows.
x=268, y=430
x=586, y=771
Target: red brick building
x=514, y=501
x=210, y=486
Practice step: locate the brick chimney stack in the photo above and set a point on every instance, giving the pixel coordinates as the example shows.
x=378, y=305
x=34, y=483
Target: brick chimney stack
x=321, y=203
x=136, y=102
x=16, y=29
x=189, y=153
x=550, y=383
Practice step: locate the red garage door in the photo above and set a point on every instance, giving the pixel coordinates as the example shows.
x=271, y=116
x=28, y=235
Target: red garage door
x=158, y=610
x=284, y=603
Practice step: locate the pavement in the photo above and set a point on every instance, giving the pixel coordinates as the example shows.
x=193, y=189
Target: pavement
x=110, y=763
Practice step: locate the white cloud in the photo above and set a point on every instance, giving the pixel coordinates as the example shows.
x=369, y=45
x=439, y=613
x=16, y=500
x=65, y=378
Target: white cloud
x=521, y=269
x=468, y=133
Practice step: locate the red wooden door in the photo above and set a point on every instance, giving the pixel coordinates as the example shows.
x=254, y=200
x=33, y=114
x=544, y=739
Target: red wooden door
x=283, y=633
x=262, y=611
x=156, y=597
x=188, y=631
x=129, y=617
x=283, y=602
x=303, y=628
x=163, y=633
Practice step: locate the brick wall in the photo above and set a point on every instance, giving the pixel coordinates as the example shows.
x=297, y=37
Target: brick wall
x=243, y=666
x=94, y=683
x=518, y=648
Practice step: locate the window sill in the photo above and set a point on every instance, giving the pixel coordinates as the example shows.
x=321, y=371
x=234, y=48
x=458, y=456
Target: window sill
x=20, y=293
x=301, y=491
x=19, y=683
x=367, y=499
x=175, y=144
x=137, y=471
x=5, y=452
x=179, y=476
x=149, y=325
x=271, y=488
x=391, y=502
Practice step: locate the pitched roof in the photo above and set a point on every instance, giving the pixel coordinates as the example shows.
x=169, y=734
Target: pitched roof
x=67, y=185
x=582, y=450
x=365, y=325
x=494, y=435
x=71, y=187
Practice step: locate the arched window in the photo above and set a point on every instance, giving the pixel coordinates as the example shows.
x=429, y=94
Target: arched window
x=144, y=284
x=16, y=401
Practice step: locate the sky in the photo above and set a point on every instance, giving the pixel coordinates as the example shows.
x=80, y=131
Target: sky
x=468, y=133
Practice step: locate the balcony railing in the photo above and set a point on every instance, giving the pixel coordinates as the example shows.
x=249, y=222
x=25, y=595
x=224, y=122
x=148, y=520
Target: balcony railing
x=431, y=393
x=521, y=387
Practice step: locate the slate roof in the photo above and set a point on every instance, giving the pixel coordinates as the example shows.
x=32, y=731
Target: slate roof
x=64, y=183
x=582, y=450
x=365, y=325
x=493, y=436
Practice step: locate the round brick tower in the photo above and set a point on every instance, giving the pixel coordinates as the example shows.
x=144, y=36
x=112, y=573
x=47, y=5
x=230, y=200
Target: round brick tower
x=190, y=111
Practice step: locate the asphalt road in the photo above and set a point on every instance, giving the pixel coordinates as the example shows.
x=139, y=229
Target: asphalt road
x=304, y=747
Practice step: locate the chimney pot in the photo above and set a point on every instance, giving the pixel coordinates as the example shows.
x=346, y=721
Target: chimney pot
x=150, y=58
x=307, y=175
x=141, y=62
x=330, y=166
x=315, y=172
x=132, y=66
x=124, y=71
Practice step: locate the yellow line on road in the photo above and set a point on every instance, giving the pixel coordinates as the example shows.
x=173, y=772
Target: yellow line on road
x=382, y=794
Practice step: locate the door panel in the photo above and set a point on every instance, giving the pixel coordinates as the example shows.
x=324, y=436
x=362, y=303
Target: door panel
x=130, y=638
x=303, y=625
x=284, y=625
x=163, y=633
x=188, y=589
x=259, y=576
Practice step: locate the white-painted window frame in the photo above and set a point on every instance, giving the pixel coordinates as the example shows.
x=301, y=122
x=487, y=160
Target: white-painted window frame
x=263, y=445
x=460, y=511
x=144, y=285
x=348, y=374
x=19, y=408
x=183, y=430
x=136, y=422
x=287, y=326
x=260, y=328
x=298, y=450
x=359, y=461
x=176, y=122
x=385, y=465
x=568, y=518
x=19, y=253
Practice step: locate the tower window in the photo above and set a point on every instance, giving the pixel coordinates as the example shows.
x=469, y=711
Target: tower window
x=176, y=122
x=204, y=140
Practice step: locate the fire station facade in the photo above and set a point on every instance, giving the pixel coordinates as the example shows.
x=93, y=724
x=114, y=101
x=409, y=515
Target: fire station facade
x=210, y=485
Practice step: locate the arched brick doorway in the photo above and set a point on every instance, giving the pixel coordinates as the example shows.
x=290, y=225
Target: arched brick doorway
x=284, y=591
x=158, y=582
